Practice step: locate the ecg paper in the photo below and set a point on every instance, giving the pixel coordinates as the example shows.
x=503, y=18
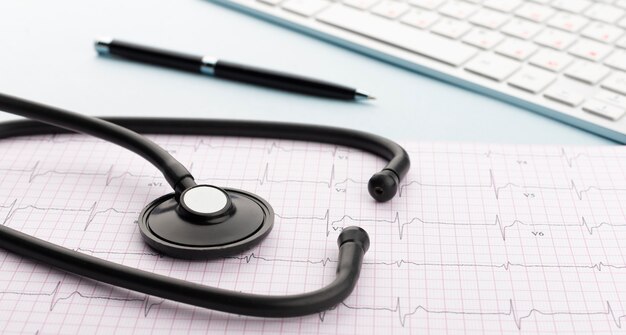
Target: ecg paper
x=480, y=238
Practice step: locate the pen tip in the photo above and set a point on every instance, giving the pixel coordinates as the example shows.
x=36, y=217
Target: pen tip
x=361, y=95
x=102, y=45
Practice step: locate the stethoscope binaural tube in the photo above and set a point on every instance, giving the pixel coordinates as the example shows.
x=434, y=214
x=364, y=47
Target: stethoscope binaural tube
x=383, y=185
x=353, y=241
x=174, y=172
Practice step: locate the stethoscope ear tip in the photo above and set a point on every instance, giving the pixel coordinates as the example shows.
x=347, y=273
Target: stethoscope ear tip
x=354, y=234
x=383, y=185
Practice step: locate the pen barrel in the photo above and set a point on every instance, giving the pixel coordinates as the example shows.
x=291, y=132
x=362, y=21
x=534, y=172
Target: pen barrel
x=165, y=58
x=283, y=81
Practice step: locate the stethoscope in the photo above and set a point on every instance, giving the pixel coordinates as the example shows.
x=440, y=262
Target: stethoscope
x=201, y=221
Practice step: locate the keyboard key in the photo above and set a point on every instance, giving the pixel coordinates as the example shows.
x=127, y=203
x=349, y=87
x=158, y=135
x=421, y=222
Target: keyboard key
x=551, y=60
x=555, y=39
x=360, y=4
x=390, y=9
x=451, y=28
x=492, y=66
x=305, y=7
x=622, y=22
x=573, y=6
x=568, y=22
x=605, y=13
x=617, y=60
x=622, y=43
x=482, y=38
x=531, y=79
x=590, y=73
x=420, y=18
x=534, y=12
x=521, y=28
x=616, y=83
x=612, y=98
x=590, y=50
x=516, y=49
x=604, y=109
x=566, y=92
x=602, y=32
x=427, y=4
x=503, y=5
x=402, y=36
x=458, y=10
x=488, y=18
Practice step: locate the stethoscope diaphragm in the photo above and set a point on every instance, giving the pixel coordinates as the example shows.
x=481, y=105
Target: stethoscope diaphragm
x=204, y=224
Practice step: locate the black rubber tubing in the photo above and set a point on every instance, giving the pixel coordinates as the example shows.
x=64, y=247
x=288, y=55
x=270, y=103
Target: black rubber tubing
x=353, y=241
x=383, y=185
x=174, y=172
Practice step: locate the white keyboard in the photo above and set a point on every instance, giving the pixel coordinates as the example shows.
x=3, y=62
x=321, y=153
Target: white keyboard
x=562, y=58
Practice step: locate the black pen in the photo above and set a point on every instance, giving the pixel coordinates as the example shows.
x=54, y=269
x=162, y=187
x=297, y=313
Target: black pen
x=228, y=70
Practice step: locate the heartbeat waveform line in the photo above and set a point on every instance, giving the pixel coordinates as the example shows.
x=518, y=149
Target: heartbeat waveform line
x=252, y=256
x=402, y=314
x=56, y=298
x=507, y=266
x=325, y=261
x=11, y=207
x=325, y=218
x=109, y=175
x=59, y=138
x=266, y=178
x=331, y=224
x=583, y=224
x=591, y=228
x=510, y=312
x=401, y=226
x=497, y=188
x=92, y=211
x=568, y=158
x=274, y=146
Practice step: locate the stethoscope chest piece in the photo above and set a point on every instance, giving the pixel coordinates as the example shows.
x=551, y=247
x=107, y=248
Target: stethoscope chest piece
x=206, y=222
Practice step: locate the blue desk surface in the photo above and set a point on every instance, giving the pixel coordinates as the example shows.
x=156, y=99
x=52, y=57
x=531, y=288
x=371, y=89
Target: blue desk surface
x=46, y=54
